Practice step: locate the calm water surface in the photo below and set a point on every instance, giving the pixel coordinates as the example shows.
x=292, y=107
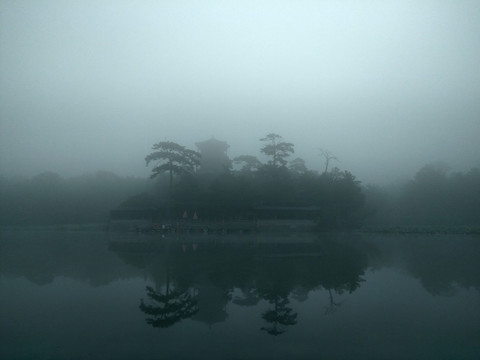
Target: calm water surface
x=79, y=295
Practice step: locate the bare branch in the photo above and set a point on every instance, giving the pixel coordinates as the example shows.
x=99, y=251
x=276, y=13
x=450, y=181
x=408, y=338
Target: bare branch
x=328, y=156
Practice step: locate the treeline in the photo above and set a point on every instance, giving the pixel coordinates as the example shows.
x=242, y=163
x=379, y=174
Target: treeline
x=434, y=197
x=278, y=189
x=49, y=199
x=333, y=199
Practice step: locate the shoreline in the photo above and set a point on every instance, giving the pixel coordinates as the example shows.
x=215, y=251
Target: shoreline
x=394, y=230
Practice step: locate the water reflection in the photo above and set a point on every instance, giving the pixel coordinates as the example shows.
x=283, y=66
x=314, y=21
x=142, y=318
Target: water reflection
x=43, y=256
x=196, y=277
x=168, y=308
x=442, y=264
x=274, y=282
x=319, y=295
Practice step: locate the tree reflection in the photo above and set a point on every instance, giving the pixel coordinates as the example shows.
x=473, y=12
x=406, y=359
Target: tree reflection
x=168, y=308
x=279, y=317
x=443, y=264
x=249, y=298
x=170, y=303
x=339, y=270
x=275, y=283
x=332, y=306
x=275, y=272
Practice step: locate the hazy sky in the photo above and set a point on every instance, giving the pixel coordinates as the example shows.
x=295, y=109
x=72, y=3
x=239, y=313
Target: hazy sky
x=387, y=86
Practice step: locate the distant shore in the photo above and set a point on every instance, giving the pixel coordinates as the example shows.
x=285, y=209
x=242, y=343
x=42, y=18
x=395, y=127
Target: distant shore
x=425, y=230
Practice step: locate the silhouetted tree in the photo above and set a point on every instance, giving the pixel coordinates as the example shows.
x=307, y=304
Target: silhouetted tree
x=340, y=199
x=173, y=158
x=249, y=162
x=328, y=156
x=434, y=197
x=277, y=149
x=230, y=195
x=49, y=199
x=298, y=166
x=426, y=198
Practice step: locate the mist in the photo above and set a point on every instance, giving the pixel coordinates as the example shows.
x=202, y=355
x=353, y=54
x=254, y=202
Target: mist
x=253, y=179
x=386, y=86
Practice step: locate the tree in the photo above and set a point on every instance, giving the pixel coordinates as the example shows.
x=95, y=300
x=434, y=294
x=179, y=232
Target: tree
x=328, y=156
x=277, y=149
x=426, y=199
x=249, y=162
x=174, y=159
x=298, y=166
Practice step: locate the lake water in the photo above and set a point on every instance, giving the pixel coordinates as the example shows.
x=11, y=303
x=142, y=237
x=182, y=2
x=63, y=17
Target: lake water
x=88, y=295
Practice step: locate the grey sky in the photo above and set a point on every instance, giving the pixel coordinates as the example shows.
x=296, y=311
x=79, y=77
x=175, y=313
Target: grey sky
x=387, y=86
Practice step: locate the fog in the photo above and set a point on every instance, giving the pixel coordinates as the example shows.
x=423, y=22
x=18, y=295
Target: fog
x=386, y=86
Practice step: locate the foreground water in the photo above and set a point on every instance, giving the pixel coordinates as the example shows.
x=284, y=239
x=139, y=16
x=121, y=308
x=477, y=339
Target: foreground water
x=79, y=295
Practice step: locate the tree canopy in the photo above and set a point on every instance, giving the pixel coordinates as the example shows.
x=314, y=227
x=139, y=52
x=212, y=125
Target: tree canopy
x=278, y=150
x=248, y=162
x=173, y=159
x=270, y=190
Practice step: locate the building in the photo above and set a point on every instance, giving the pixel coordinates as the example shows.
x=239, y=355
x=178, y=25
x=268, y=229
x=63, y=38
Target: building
x=214, y=156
